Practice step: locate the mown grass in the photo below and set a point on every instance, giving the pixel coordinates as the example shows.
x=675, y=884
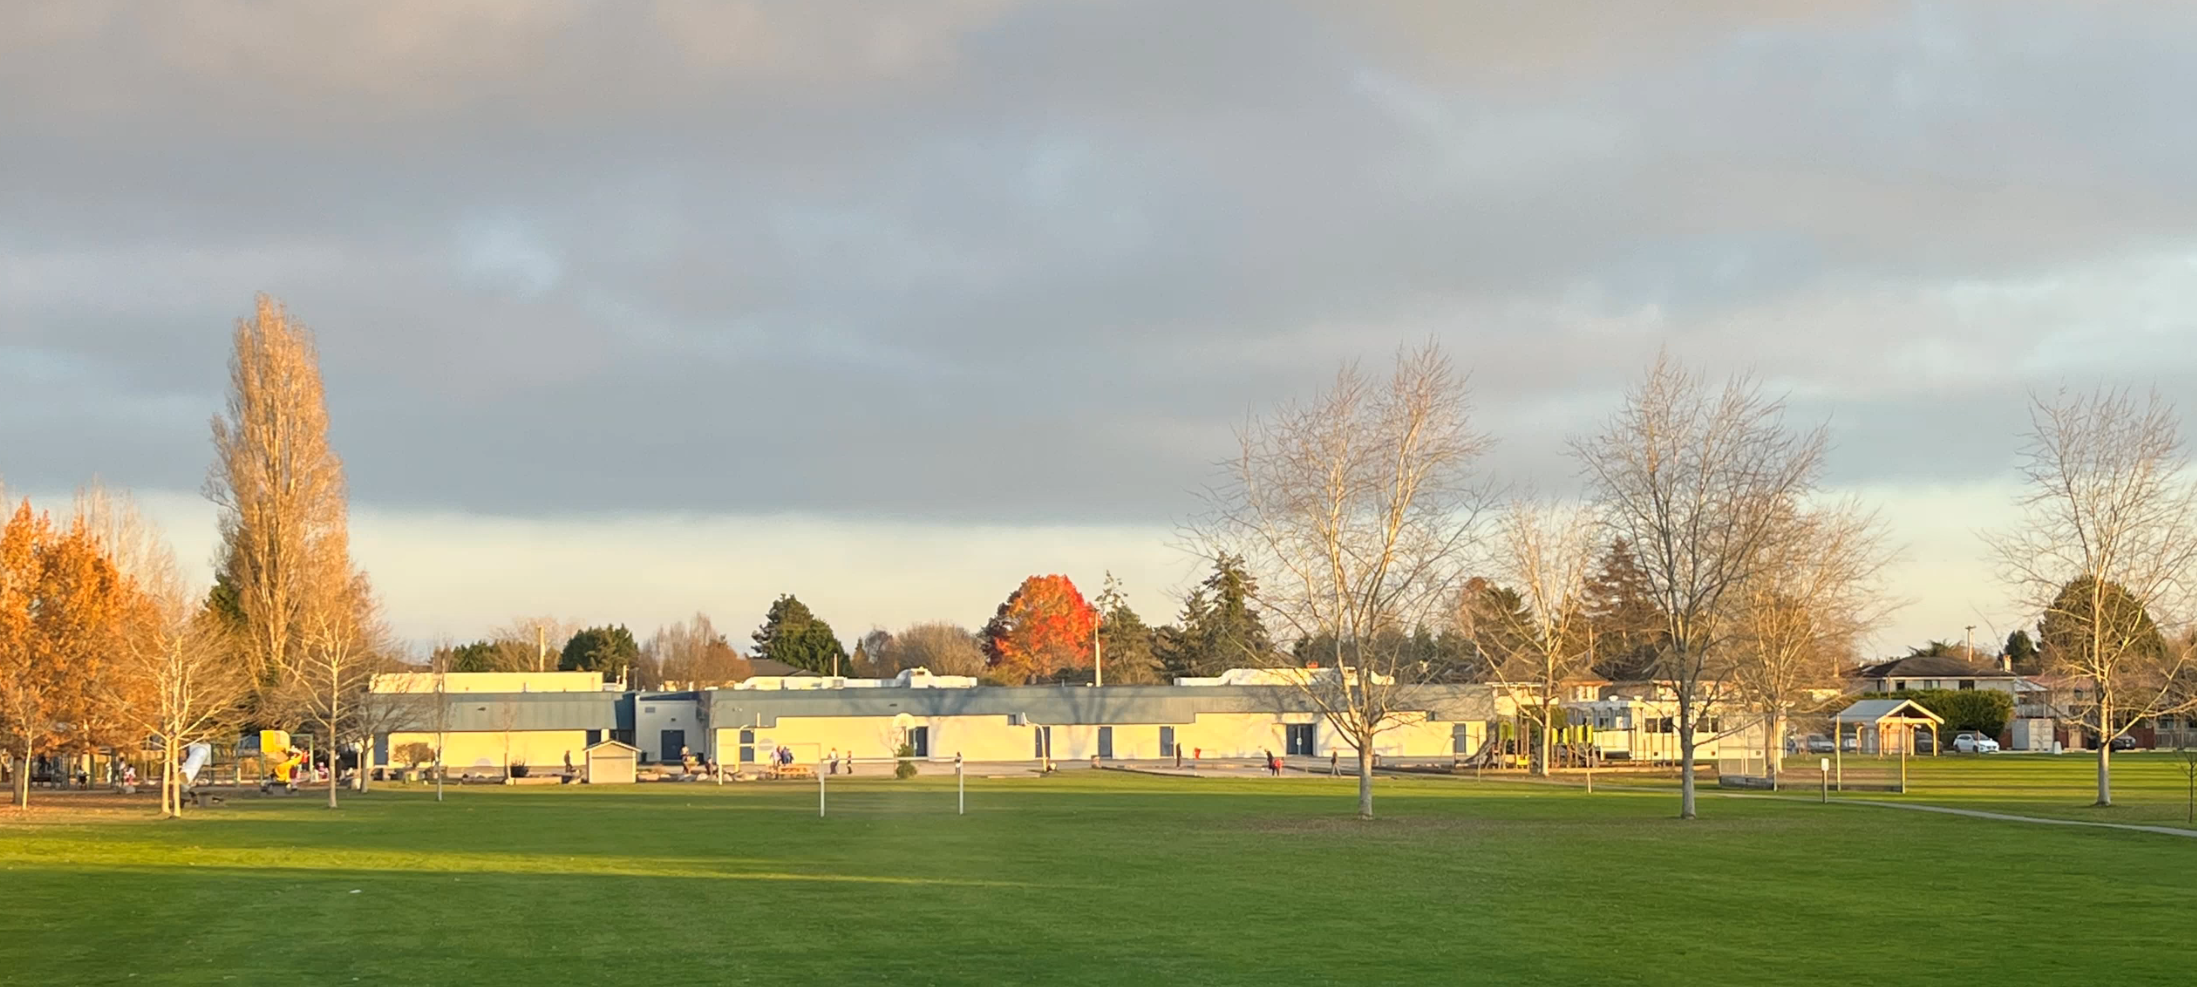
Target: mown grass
x=1084, y=878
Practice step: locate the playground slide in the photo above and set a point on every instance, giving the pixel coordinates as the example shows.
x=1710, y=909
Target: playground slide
x=195, y=757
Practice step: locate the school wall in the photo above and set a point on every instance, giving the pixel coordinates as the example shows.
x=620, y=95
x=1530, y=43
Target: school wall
x=475, y=751
x=651, y=717
x=995, y=738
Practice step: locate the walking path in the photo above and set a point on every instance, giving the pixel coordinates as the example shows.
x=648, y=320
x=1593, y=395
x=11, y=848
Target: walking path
x=2004, y=816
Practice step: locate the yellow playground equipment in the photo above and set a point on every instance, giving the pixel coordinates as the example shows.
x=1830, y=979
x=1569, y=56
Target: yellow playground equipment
x=283, y=760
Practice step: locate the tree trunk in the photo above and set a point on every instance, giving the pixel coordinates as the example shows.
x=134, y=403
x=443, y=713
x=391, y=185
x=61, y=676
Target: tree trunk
x=1773, y=747
x=171, y=790
x=1547, y=748
x=1365, y=777
x=1686, y=771
x=2105, y=769
x=23, y=780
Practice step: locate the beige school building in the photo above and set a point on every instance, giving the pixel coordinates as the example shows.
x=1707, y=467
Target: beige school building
x=537, y=718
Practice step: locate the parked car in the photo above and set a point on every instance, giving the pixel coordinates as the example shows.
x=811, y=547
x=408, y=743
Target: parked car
x=1974, y=742
x=1851, y=745
x=1818, y=744
x=2124, y=742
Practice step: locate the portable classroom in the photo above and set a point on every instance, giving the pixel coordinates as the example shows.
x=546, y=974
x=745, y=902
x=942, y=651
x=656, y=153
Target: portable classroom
x=611, y=763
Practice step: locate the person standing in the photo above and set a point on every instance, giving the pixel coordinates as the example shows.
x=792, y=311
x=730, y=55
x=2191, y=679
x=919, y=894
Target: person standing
x=833, y=760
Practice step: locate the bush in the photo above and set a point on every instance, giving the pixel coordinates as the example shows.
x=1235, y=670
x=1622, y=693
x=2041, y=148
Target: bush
x=904, y=769
x=415, y=754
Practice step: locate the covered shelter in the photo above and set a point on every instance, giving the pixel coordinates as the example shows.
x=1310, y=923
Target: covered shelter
x=1886, y=726
x=1876, y=721
x=611, y=763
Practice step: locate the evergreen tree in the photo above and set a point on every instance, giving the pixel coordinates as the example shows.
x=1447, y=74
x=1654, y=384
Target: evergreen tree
x=608, y=650
x=1627, y=626
x=1128, y=643
x=1219, y=627
x=792, y=634
x=2021, y=652
x=480, y=656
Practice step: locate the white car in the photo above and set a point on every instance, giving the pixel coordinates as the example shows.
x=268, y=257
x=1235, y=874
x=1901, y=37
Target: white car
x=1971, y=742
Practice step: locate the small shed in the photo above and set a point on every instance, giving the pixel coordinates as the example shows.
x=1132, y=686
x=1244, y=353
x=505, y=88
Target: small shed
x=611, y=763
x=1886, y=726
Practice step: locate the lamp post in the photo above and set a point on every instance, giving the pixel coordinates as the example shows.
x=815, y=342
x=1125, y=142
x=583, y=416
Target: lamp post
x=1826, y=767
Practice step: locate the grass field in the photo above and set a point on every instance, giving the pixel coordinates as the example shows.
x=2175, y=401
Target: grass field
x=1088, y=878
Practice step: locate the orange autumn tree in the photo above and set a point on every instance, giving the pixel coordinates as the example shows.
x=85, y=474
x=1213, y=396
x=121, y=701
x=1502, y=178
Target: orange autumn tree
x=66, y=614
x=1043, y=629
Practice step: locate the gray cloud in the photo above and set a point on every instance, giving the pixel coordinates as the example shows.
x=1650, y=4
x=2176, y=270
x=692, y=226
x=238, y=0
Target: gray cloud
x=1026, y=262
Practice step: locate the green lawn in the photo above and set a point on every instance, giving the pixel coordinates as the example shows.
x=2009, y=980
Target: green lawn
x=2149, y=788
x=1086, y=878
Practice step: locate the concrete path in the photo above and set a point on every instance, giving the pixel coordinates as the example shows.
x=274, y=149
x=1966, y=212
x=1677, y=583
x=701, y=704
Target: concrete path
x=2009, y=817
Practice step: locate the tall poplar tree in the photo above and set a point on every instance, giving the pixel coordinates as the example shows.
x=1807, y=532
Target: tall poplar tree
x=279, y=488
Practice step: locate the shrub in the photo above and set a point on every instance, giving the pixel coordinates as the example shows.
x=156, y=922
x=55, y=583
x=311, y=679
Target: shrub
x=904, y=769
x=415, y=754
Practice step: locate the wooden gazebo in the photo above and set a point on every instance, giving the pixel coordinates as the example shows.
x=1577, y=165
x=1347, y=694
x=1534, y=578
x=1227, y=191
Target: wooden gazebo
x=1886, y=726
x=1873, y=722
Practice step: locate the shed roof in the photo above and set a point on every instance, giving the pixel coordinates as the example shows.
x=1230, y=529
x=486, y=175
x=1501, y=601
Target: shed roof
x=612, y=743
x=1887, y=711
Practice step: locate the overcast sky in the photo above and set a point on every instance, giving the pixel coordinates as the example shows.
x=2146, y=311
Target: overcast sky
x=631, y=310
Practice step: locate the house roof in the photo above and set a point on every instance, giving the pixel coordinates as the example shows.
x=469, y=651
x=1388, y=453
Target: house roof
x=1887, y=711
x=1931, y=666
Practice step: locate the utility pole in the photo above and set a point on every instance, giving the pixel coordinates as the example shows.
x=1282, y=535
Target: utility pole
x=1098, y=657
x=1971, y=656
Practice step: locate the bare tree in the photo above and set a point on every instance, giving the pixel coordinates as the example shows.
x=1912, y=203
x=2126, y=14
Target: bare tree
x=179, y=680
x=1542, y=551
x=1354, y=512
x=2104, y=550
x=532, y=644
x=1698, y=480
x=278, y=485
x=692, y=654
x=1805, y=610
x=944, y=649
x=380, y=714
x=344, y=643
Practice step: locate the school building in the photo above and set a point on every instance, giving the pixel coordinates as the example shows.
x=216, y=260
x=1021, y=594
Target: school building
x=536, y=719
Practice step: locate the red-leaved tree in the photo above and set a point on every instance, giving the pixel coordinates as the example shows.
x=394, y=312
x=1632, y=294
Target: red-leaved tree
x=1043, y=629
